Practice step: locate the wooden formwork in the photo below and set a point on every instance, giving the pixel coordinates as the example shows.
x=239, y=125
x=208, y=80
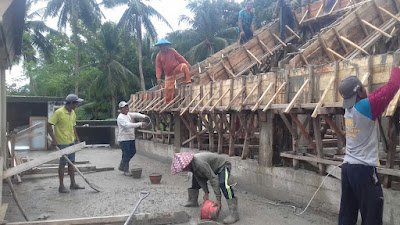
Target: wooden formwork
x=239, y=115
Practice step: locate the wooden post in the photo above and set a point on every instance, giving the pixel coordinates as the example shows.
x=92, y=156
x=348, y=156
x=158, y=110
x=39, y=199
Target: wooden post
x=266, y=149
x=318, y=143
x=295, y=142
x=220, y=133
x=232, y=120
x=177, y=132
x=393, y=138
x=3, y=119
x=211, y=124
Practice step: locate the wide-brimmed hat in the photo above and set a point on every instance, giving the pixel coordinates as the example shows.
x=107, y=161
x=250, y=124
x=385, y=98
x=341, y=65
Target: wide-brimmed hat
x=163, y=41
x=181, y=161
x=348, y=89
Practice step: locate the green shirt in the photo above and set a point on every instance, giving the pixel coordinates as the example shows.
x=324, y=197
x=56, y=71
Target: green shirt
x=64, y=123
x=207, y=166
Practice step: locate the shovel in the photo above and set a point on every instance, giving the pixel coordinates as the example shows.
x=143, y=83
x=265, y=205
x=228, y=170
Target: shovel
x=93, y=186
x=142, y=195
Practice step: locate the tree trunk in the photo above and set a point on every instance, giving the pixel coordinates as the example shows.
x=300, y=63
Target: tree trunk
x=113, y=105
x=139, y=42
x=74, y=22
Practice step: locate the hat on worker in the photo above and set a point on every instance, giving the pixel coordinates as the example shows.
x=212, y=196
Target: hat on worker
x=73, y=98
x=163, y=41
x=348, y=89
x=122, y=104
x=181, y=161
x=248, y=1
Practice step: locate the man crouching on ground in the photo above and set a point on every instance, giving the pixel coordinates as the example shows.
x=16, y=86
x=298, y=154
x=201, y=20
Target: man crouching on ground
x=207, y=166
x=126, y=135
x=64, y=122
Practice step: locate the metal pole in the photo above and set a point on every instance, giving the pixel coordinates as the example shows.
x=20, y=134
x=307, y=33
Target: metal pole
x=3, y=119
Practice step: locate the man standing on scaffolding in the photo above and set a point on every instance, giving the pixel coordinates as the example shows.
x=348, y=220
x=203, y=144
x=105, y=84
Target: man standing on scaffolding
x=172, y=63
x=285, y=17
x=246, y=22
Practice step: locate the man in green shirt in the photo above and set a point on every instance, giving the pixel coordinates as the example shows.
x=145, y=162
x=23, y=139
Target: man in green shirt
x=64, y=122
x=246, y=22
x=207, y=166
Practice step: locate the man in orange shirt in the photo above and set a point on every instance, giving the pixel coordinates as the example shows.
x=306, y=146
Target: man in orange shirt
x=172, y=63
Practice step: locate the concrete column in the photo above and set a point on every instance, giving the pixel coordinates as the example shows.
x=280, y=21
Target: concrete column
x=266, y=149
x=177, y=132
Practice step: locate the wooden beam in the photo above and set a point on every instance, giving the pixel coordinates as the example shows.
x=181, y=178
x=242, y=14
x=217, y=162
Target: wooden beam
x=247, y=98
x=274, y=96
x=318, y=143
x=207, y=103
x=296, y=97
x=227, y=70
x=43, y=159
x=220, y=99
x=334, y=6
x=319, y=10
x=29, y=130
x=187, y=107
x=171, y=103
x=393, y=105
x=336, y=54
x=322, y=99
x=364, y=29
x=378, y=11
x=303, y=131
x=325, y=48
x=262, y=97
x=390, y=14
x=304, y=16
x=376, y=28
x=251, y=55
x=338, y=132
x=292, y=31
x=264, y=46
x=201, y=100
x=337, y=35
x=278, y=39
x=234, y=98
x=354, y=45
x=287, y=123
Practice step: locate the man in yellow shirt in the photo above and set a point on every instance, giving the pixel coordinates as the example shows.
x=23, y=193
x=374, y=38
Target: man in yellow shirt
x=64, y=122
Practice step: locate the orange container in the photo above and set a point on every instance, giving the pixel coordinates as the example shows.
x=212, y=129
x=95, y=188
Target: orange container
x=209, y=211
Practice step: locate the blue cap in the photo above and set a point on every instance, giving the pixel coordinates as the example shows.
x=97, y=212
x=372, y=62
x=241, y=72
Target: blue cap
x=163, y=41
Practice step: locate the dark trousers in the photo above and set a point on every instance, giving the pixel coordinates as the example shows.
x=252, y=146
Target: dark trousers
x=285, y=18
x=361, y=190
x=128, y=150
x=223, y=178
x=248, y=34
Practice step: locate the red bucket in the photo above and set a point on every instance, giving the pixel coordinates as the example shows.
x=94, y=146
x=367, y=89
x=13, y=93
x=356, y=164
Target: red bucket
x=209, y=211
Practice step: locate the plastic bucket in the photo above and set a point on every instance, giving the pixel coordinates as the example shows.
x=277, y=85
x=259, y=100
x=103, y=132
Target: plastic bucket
x=155, y=178
x=136, y=173
x=209, y=211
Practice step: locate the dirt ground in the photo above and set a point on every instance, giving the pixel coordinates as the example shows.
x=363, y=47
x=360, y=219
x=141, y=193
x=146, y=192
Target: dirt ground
x=41, y=199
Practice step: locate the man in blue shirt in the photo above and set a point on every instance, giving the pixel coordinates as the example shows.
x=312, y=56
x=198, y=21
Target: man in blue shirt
x=285, y=17
x=246, y=22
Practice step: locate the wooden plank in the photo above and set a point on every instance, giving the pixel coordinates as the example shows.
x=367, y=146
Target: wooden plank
x=318, y=143
x=303, y=131
x=304, y=16
x=3, y=211
x=274, y=96
x=234, y=98
x=262, y=97
x=142, y=218
x=354, y=45
x=292, y=31
x=376, y=28
x=220, y=99
x=187, y=107
x=247, y=98
x=364, y=29
x=333, y=7
x=337, y=35
x=336, y=54
x=296, y=97
x=264, y=46
x=287, y=123
x=325, y=48
x=171, y=103
x=201, y=100
x=319, y=10
x=251, y=56
x=333, y=126
x=227, y=70
x=390, y=14
x=43, y=159
x=29, y=130
x=322, y=99
x=279, y=40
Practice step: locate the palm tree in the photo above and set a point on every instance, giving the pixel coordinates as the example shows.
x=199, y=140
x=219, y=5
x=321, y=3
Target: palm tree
x=137, y=15
x=75, y=12
x=114, y=78
x=213, y=24
x=35, y=45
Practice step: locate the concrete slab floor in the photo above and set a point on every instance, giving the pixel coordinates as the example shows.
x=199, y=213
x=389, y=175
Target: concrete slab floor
x=41, y=199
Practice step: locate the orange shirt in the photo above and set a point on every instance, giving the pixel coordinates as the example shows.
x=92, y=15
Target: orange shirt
x=168, y=62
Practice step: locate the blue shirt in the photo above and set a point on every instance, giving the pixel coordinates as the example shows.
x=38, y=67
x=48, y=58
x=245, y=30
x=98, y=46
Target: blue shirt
x=247, y=19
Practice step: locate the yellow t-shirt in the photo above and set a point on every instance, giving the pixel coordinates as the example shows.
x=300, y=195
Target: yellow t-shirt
x=64, y=123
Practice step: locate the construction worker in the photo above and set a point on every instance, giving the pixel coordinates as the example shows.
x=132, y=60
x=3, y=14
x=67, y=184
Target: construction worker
x=65, y=135
x=246, y=22
x=285, y=17
x=172, y=63
x=207, y=166
x=361, y=188
x=126, y=135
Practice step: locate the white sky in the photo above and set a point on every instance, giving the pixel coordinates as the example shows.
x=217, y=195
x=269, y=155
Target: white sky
x=170, y=9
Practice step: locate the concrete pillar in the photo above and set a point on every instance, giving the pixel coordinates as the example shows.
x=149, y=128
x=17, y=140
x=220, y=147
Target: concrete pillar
x=266, y=146
x=177, y=132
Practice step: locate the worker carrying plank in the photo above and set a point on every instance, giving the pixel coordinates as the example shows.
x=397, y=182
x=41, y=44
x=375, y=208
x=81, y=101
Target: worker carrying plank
x=172, y=63
x=207, y=166
x=361, y=188
x=246, y=22
x=65, y=135
x=285, y=17
x=126, y=134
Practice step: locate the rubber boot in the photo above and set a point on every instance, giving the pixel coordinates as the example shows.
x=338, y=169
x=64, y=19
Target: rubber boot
x=233, y=211
x=193, y=195
x=127, y=172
